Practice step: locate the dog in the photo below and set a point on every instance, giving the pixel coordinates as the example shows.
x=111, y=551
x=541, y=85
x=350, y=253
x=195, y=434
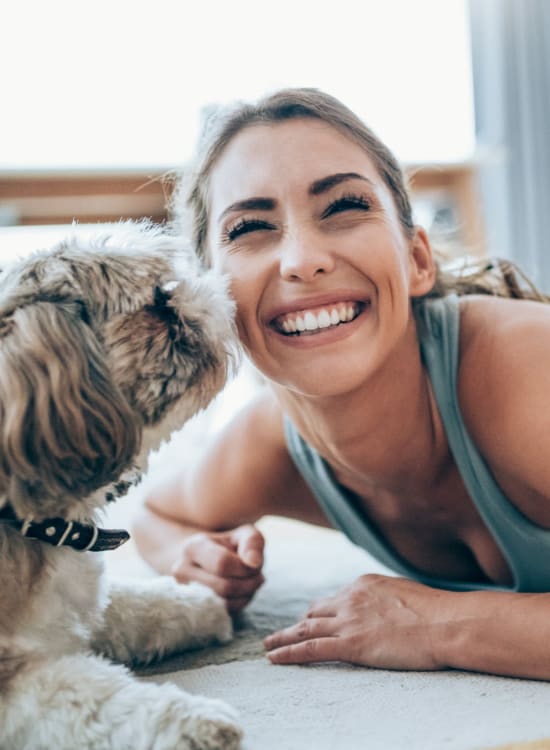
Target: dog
x=107, y=345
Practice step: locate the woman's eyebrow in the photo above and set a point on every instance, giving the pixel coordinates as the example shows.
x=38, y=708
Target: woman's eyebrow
x=326, y=183
x=316, y=188
x=249, y=204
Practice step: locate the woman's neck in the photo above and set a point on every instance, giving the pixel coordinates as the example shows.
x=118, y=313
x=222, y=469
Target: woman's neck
x=387, y=432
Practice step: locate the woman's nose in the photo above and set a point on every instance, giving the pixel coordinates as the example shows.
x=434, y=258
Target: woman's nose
x=303, y=257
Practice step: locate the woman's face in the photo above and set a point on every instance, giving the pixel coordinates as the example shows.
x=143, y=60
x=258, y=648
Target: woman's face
x=319, y=265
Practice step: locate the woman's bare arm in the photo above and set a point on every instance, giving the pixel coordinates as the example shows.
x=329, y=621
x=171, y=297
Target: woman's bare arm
x=199, y=526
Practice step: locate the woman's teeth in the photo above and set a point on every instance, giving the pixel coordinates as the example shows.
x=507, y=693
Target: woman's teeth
x=309, y=321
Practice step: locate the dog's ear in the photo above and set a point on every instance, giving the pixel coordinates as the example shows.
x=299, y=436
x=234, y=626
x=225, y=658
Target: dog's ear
x=65, y=428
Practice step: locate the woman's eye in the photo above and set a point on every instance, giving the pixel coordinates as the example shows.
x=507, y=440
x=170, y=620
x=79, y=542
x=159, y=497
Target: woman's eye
x=245, y=226
x=346, y=203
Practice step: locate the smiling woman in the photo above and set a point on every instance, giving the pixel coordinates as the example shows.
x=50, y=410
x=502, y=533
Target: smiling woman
x=298, y=214
x=396, y=414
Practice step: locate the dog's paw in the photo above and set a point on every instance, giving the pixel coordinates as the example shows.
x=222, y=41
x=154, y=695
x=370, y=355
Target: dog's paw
x=202, y=724
x=212, y=620
x=150, y=620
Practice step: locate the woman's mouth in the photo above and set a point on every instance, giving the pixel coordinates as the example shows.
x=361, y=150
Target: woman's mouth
x=317, y=319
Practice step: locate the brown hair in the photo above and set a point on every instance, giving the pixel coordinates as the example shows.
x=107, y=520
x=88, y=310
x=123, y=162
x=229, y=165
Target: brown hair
x=493, y=276
x=65, y=428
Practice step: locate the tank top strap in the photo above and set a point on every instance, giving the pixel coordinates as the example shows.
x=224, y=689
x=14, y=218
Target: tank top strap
x=523, y=544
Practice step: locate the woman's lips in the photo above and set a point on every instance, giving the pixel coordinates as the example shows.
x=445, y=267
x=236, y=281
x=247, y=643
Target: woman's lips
x=312, y=320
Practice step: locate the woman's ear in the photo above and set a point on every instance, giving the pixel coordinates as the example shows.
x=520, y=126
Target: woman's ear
x=422, y=264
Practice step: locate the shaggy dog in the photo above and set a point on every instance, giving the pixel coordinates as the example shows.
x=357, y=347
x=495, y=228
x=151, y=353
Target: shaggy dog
x=106, y=347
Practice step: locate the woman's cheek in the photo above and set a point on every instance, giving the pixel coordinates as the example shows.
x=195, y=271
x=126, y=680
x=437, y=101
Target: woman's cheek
x=243, y=314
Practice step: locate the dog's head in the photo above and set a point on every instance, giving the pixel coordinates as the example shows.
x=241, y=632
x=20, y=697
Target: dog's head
x=105, y=348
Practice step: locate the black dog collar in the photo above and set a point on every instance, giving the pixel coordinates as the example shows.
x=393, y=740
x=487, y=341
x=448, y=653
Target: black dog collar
x=58, y=532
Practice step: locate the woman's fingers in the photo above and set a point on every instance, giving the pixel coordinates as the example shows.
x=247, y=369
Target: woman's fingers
x=323, y=608
x=307, y=641
x=250, y=545
x=321, y=649
x=210, y=555
x=214, y=559
x=378, y=621
x=307, y=652
x=228, y=588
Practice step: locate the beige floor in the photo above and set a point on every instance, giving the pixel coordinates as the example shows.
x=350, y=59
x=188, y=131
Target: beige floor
x=336, y=706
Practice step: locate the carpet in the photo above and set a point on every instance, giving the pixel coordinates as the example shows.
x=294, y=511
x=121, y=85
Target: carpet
x=337, y=706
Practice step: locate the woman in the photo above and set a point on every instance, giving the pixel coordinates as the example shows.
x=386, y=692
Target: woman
x=411, y=418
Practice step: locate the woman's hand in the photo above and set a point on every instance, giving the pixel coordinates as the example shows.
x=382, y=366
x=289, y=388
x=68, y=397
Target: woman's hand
x=378, y=621
x=229, y=562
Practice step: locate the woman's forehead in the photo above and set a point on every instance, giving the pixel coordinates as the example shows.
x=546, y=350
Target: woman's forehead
x=300, y=151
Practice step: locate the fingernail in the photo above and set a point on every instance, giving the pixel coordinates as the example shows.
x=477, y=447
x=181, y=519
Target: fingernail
x=253, y=559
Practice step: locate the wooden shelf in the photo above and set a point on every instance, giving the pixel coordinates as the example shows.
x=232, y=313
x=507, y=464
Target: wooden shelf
x=28, y=198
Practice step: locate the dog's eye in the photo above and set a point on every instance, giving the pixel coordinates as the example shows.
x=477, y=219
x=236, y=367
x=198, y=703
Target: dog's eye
x=83, y=311
x=162, y=309
x=161, y=297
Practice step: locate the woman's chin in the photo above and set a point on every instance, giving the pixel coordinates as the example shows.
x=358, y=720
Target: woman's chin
x=322, y=380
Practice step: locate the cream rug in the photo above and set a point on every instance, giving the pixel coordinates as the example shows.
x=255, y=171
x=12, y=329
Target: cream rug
x=336, y=706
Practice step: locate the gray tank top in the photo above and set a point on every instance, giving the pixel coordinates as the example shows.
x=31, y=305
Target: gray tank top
x=525, y=546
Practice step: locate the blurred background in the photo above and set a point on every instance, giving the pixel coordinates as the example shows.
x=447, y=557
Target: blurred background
x=102, y=100
x=101, y=103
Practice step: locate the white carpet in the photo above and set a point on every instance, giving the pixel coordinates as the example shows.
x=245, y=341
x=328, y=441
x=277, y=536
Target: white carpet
x=339, y=707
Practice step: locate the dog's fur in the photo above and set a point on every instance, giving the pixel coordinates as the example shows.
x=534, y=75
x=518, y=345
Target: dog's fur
x=106, y=347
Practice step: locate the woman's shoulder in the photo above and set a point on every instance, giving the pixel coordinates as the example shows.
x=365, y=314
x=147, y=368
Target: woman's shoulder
x=495, y=331
x=504, y=384
x=502, y=343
